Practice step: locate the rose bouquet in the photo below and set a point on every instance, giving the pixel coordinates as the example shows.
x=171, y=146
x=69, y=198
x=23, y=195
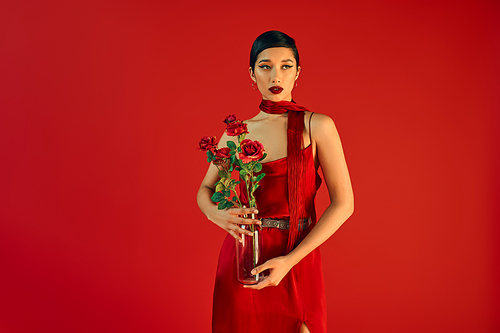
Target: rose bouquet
x=243, y=157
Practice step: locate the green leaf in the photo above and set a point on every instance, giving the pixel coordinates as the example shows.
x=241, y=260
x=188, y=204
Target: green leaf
x=222, y=204
x=229, y=204
x=230, y=168
x=226, y=193
x=217, y=196
x=263, y=157
x=256, y=186
x=209, y=160
x=232, y=159
x=220, y=187
x=253, y=179
x=231, y=145
x=232, y=152
x=210, y=154
x=222, y=174
x=258, y=167
x=259, y=177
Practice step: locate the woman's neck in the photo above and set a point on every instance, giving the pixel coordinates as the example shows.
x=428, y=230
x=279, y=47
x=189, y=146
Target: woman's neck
x=286, y=99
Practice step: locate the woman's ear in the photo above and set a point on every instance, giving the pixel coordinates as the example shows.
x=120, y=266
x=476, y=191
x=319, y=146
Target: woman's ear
x=299, y=69
x=252, y=74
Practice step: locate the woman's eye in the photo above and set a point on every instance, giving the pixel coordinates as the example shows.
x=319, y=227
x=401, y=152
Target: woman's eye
x=287, y=66
x=265, y=67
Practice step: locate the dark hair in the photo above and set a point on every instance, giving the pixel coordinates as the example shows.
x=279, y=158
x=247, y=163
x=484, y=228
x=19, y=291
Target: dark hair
x=270, y=39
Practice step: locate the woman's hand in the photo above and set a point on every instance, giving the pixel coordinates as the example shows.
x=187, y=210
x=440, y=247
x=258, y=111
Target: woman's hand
x=278, y=268
x=230, y=219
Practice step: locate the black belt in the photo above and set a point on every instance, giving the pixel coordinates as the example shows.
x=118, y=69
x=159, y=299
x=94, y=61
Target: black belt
x=284, y=223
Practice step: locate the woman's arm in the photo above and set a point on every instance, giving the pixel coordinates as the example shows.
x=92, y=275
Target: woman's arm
x=332, y=161
x=227, y=219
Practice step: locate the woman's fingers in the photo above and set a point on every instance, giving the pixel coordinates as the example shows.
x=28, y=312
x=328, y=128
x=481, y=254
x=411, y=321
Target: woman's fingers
x=278, y=268
x=236, y=224
x=248, y=221
x=261, y=268
x=262, y=284
x=242, y=211
x=238, y=214
x=235, y=235
x=243, y=231
x=235, y=229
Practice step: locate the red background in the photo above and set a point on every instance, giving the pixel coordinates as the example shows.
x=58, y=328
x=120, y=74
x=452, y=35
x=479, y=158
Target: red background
x=102, y=104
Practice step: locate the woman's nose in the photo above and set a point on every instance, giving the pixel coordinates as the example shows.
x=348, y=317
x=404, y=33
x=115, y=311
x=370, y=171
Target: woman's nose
x=275, y=77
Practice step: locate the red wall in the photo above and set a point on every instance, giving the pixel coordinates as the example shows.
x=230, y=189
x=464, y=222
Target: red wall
x=102, y=104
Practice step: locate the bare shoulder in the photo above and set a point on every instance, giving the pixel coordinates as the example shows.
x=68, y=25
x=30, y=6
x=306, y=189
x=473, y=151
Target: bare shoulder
x=322, y=126
x=225, y=138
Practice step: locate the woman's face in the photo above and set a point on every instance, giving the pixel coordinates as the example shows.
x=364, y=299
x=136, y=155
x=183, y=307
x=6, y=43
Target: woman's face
x=275, y=73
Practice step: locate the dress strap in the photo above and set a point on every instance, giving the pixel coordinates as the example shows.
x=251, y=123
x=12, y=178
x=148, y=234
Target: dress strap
x=310, y=135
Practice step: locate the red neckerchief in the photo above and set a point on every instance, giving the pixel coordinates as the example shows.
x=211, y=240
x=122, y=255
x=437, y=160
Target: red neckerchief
x=295, y=164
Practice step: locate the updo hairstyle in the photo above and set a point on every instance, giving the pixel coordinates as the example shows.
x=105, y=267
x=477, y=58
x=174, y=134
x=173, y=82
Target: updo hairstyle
x=273, y=38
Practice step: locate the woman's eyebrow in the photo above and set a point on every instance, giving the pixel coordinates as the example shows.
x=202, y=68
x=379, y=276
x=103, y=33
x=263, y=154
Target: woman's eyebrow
x=284, y=60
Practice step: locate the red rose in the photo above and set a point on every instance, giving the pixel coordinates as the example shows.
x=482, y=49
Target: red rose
x=236, y=128
x=223, y=153
x=207, y=143
x=229, y=119
x=251, y=151
x=222, y=157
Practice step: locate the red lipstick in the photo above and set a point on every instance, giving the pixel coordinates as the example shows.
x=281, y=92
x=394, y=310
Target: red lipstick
x=276, y=89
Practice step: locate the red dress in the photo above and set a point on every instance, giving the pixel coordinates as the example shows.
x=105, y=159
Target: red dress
x=300, y=296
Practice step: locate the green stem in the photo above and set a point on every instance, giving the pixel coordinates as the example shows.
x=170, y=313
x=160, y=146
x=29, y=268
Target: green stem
x=237, y=197
x=236, y=203
x=248, y=182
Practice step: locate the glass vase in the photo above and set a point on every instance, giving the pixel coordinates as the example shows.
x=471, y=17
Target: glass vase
x=249, y=255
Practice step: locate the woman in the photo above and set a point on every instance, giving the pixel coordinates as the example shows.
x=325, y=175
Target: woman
x=297, y=142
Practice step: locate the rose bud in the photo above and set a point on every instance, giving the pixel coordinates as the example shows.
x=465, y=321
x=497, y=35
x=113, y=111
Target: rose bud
x=229, y=119
x=207, y=143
